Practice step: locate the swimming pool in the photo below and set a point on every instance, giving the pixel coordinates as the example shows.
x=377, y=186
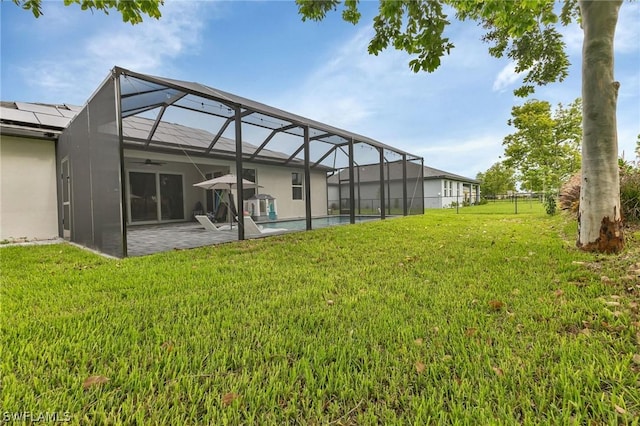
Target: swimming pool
x=316, y=222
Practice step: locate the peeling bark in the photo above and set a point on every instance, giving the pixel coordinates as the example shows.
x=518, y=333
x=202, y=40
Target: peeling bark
x=611, y=239
x=599, y=220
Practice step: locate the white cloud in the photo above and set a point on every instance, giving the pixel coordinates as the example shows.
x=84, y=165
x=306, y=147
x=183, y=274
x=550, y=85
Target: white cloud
x=346, y=89
x=353, y=89
x=506, y=77
x=72, y=72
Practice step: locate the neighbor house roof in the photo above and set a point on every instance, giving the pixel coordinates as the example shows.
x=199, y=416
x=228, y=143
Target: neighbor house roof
x=371, y=173
x=431, y=173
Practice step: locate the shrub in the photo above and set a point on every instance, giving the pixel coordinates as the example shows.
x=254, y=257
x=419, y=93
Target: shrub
x=630, y=194
x=569, y=197
x=483, y=201
x=550, y=203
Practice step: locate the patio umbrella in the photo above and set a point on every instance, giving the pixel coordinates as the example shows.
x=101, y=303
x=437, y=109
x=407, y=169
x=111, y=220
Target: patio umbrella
x=228, y=182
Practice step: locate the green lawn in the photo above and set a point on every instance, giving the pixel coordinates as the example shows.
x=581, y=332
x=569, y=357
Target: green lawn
x=445, y=318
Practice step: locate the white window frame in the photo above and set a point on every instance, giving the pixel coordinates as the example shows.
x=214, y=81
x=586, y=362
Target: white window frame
x=294, y=186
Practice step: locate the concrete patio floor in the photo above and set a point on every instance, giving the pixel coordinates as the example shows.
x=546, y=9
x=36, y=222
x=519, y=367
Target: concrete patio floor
x=149, y=239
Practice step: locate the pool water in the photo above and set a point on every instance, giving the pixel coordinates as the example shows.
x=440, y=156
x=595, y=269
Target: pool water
x=316, y=222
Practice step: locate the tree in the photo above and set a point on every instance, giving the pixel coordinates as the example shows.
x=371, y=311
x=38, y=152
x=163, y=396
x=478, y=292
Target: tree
x=498, y=179
x=638, y=151
x=545, y=149
x=525, y=31
x=131, y=10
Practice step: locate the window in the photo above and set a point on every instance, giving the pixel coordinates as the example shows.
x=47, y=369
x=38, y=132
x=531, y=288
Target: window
x=296, y=185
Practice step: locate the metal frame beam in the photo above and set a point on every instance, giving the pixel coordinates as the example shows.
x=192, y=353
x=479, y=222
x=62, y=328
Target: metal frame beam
x=294, y=154
x=239, y=186
x=332, y=149
x=323, y=135
x=352, y=192
x=229, y=120
x=271, y=135
x=404, y=184
x=382, y=196
x=307, y=178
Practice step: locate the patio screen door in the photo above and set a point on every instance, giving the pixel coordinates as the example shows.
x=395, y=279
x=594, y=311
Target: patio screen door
x=66, y=199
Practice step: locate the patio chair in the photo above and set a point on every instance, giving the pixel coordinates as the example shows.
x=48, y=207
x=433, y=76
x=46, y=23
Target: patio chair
x=204, y=221
x=252, y=229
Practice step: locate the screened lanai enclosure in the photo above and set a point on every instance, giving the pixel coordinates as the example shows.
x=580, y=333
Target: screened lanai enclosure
x=129, y=162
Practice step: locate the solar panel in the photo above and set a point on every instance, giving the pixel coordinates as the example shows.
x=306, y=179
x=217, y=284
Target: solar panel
x=53, y=121
x=45, y=109
x=10, y=114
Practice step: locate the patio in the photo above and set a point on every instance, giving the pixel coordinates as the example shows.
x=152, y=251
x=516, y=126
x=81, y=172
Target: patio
x=149, y=239
x=150, y=139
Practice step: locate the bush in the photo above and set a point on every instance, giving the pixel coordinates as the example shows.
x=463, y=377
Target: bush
x=570, y=195
x=630, y=194
x=550, y=203
x=483, y=201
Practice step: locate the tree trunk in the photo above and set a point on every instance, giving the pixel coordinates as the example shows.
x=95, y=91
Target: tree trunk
x=599, y=219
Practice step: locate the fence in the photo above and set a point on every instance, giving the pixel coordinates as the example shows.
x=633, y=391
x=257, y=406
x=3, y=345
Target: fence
x=496, y=204
x=371, y=206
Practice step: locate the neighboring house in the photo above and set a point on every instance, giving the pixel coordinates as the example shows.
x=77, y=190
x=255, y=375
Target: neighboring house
x=131, y=155
x=439, y=188
x=444, y=189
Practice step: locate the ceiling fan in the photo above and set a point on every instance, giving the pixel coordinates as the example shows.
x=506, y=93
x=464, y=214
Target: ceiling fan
x=149, y=162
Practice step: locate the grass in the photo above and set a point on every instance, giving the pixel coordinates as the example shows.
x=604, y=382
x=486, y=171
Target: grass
x=439, y=319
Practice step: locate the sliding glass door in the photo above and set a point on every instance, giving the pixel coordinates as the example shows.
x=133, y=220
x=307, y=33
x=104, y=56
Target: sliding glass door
x=155, y=197
x=172, y=205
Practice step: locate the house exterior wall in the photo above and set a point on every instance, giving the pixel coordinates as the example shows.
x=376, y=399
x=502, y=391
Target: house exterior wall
x=276, y=181
x=368, y=193
x=191, y=172
x=28, y=201
x=442, y=193
x=433, y=190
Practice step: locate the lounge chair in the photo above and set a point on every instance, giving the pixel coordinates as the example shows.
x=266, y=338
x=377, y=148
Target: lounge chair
x=252, y=229
x=204, y=221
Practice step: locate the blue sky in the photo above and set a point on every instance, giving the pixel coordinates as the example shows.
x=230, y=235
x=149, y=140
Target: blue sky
x=456, y=117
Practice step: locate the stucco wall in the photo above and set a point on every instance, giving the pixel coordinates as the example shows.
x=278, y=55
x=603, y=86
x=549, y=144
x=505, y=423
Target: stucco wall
x=28, y=201
x=276, y=181
x=433, y=194
x=175, y=164
x=273, y=180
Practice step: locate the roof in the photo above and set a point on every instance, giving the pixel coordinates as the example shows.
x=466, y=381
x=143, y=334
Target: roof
x=158, y=114
x=431, y=173
x=147, y=94
x=371, y=173
x=49, y=120
x=36, y=119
